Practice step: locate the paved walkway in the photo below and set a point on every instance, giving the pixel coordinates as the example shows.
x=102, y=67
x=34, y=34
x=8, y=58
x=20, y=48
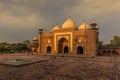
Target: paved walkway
x=62, y=68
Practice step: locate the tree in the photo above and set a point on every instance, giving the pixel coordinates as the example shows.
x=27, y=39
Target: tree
x=19, y=47
x=4, y=46
x=101, y=44
x=115, y=42
x=27, y=42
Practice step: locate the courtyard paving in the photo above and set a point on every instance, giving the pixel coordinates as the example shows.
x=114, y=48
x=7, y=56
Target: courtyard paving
x=62, y=68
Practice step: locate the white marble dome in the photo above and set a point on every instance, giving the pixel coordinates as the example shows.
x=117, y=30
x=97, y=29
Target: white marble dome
x=68, y=24
x=84, y=26
x=55, y=28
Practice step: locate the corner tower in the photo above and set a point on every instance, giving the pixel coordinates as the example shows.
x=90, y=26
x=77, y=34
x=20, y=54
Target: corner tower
x=40, y=36
x=95, y=37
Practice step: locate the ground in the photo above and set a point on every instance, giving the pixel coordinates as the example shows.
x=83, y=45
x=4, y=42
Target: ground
x=62, y=68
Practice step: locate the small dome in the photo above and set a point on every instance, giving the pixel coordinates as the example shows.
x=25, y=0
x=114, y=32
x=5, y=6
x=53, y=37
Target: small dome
x=69, y=24
x=93, y=23
x=40, y=27
x=56, y=27
x=84, y=26
x=34, y=39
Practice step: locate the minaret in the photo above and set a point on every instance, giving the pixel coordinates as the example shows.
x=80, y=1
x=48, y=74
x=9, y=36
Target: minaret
x=94, y=25
x=95, y=36
x=34, y=44
x=35, y=40
x=40, y=32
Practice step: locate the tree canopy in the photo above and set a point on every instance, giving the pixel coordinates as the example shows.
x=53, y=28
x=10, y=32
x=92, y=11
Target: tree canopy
x=115, y=42
x=19, y=47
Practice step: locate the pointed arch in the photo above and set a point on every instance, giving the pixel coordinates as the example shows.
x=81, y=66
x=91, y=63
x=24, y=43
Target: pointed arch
x=79, y=50
x=63, y=45
x=48, y=49
x=66, y=49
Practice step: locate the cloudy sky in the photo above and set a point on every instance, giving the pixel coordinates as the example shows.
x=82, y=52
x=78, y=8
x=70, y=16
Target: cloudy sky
x=20, y=19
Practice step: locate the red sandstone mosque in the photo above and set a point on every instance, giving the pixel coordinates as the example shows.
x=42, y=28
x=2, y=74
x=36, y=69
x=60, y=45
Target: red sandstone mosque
x=68, y=39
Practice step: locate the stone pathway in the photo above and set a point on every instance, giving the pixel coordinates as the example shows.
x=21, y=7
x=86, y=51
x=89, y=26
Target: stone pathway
x=63, y=68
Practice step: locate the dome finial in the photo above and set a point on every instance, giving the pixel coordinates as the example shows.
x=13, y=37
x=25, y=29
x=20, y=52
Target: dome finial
x=69, y=16
x=56, y=23
x=40, y=27
x=52, y=26
x=84, y=20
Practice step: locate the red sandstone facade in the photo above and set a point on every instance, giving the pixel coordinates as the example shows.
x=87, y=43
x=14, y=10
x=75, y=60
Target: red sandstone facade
x=68, y=39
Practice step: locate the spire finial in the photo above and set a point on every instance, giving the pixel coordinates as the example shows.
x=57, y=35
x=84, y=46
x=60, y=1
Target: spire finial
x=40, y=27
x=69, y=16
x=84, y=20
x=56, y=23
x=52, y=26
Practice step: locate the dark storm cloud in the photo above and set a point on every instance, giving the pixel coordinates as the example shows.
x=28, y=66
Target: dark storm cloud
x=16, y=16
x=19, y=19
x=45, y=8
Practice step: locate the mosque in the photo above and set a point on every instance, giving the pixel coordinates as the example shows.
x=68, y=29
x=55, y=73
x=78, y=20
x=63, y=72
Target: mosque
x=68, y=39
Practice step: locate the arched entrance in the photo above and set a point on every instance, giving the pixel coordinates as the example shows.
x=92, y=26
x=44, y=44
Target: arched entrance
x=66, y=49
x=48, y=49
x=63, y=45
x=35, y=50
x=79, y=50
